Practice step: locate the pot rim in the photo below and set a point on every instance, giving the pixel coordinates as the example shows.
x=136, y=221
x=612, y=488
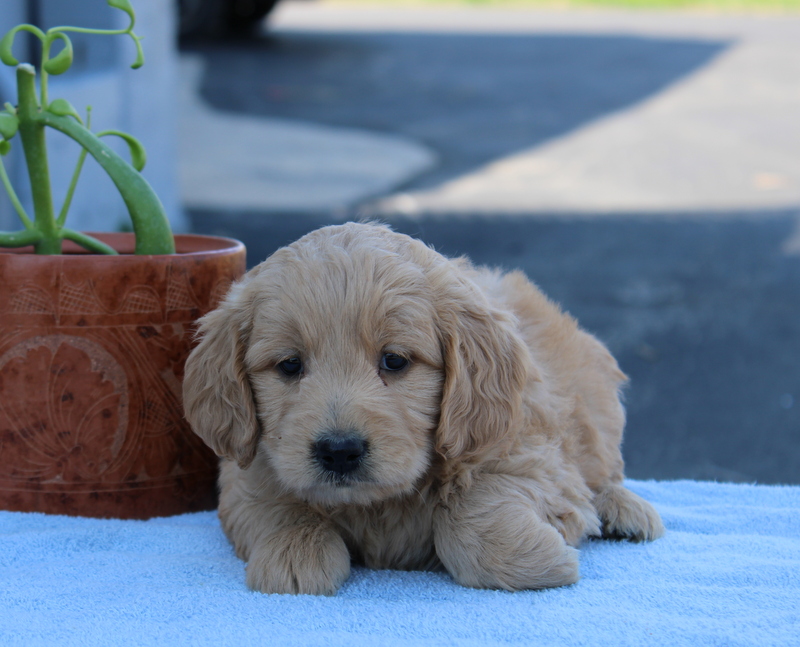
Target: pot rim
x=186, y=245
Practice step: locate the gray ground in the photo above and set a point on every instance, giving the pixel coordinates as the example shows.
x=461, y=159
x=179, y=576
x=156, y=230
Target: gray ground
x=644, y=170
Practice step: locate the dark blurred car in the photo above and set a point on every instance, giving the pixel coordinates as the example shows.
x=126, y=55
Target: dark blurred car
x=205, y=19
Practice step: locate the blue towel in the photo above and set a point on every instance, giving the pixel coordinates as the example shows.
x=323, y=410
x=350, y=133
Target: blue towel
x=727, y=572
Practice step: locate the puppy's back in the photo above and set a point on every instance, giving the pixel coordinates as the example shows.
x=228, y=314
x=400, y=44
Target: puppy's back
x=582, y=373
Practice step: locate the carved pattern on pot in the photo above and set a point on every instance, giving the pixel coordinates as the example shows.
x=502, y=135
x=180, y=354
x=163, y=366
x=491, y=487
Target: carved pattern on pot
x=51, y=423
x=30, y=299
x=82, y=299
x=140, y=299
x=179, y=294
x=78, y=299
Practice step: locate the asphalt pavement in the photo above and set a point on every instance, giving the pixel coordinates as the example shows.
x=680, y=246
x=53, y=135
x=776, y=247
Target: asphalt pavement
x=642, y=168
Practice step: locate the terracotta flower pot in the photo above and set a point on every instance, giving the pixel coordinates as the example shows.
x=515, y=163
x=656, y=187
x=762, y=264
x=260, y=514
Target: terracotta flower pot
x=92, y=350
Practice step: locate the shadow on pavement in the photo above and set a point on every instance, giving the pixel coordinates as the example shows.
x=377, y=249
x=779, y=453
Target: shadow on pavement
x=471, y=98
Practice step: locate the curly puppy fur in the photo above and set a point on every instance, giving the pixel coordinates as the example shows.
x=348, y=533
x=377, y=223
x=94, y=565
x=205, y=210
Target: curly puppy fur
x=376, y=402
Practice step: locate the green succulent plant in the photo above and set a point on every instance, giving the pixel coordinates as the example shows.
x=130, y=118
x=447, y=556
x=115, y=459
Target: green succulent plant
x=34, y=113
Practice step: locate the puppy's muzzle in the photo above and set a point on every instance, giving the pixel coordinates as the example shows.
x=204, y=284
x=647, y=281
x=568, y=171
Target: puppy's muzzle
x=340, y=454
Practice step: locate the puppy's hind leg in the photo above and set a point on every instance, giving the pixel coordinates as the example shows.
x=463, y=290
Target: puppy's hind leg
x=625, y=515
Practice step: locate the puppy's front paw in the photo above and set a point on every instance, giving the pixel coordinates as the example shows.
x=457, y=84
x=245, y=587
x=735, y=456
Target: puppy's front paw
x=310, y=560
x=626, y=515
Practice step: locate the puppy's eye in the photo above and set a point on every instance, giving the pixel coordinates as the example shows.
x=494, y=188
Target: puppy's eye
x=291, y=367
x=393, y=362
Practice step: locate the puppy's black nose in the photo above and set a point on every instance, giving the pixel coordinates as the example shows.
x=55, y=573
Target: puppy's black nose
x=340, y=454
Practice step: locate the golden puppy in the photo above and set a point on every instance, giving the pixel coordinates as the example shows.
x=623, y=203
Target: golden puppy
x=376, y=402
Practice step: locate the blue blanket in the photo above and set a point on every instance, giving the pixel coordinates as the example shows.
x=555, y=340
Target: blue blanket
x=727, y=572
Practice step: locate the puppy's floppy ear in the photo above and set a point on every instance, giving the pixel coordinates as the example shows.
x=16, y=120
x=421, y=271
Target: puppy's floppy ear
x=486, y=366
x=217, y=397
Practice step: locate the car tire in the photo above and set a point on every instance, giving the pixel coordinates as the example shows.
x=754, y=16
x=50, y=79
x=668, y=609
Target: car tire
x=212, y=19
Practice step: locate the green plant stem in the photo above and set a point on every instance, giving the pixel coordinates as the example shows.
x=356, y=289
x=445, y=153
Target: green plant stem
x=150, y=224
x=12, y=195
x=62, y=216
x=31, y=131
x=87, y=30
x=19, y=238
x=88, y=242
x=46, y=43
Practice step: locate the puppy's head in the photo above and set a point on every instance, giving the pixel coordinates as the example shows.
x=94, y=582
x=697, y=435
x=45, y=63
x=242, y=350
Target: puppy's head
x=348, y=360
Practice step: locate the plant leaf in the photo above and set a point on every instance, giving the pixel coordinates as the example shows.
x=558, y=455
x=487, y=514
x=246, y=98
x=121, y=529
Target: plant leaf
x=139, y=53
x=125, y=5
x=150, y=223
x=7, y=42
x=63, y=108
x=5, y=47
x=138, y=154
x=62, y=61
x=4, y=147
x=8, y=125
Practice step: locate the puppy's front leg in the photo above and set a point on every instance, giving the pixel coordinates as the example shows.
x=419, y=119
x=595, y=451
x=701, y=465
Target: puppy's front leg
x=307, y=556
x=288, y=547
x=489, y=535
